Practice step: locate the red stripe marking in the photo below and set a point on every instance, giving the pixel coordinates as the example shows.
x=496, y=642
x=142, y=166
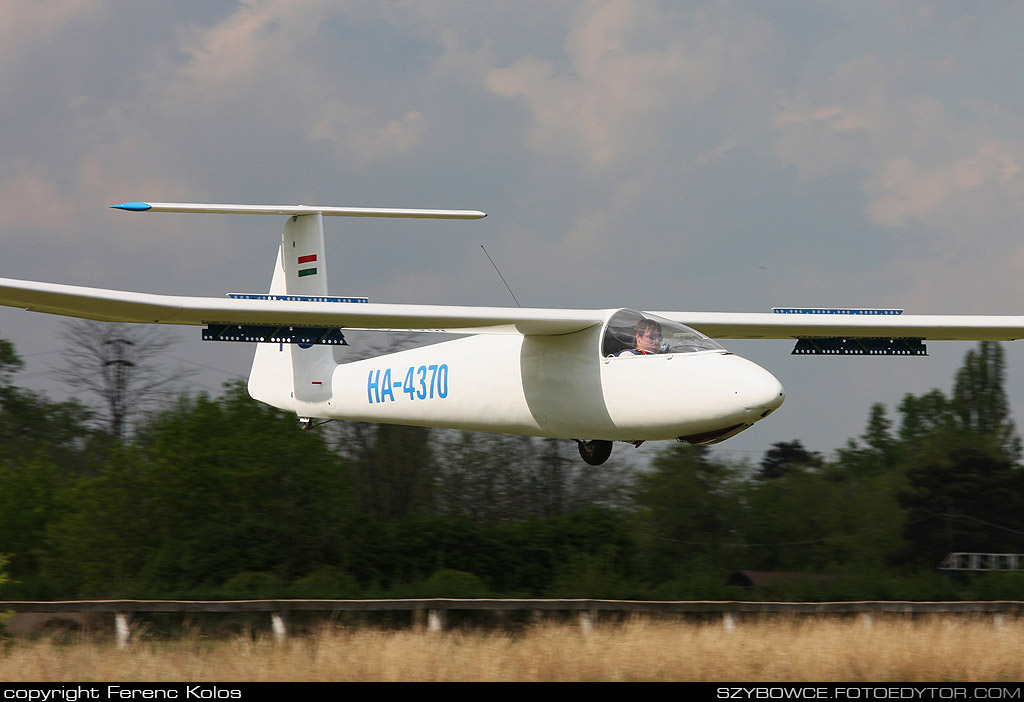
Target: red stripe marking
x=307, y=259
x=317, y=382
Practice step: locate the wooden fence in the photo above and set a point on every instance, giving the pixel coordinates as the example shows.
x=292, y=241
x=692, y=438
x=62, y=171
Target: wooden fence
x=433, y=612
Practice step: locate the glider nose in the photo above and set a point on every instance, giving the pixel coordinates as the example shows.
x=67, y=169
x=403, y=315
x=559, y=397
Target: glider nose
x=765, y=395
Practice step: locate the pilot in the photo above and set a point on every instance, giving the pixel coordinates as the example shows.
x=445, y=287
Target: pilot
x=646, y=339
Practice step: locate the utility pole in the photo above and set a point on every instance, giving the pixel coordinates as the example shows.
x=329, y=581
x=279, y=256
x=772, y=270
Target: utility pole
x=118, y=370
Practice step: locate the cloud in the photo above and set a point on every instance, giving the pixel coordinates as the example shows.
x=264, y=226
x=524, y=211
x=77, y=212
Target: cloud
x=354, y=134
x=30, y=202
x=839, y=122
x=278, y=63
x=629, y=72
x=939, y=170
x=261, y=39
x=902, y=191
x=24, y=24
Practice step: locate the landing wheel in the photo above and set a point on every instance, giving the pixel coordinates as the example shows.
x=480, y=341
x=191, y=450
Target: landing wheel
x=595, y=452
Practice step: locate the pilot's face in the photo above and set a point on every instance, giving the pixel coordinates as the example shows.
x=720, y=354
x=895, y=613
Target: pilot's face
x=648, y=341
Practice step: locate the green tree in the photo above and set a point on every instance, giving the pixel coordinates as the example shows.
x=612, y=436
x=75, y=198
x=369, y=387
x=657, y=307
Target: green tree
x=977, y=412
x=927, y=423
x=391, y=470
x=501, y=478
x=964, y=489
x=786, y=456
x=43, y=446
x=28, y=503
x=876, y=451
x=31, y=424
x=3, y=574
x=821, y=520
x=208, y=490
x=979, y=400
x=687, y=512
x=3, y=581
x=968, y=500
x=481, y=476
x=453, y=583
x=10, y=363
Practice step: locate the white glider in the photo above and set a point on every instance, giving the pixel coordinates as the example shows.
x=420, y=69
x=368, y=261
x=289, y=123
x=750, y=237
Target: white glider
x=595, y=376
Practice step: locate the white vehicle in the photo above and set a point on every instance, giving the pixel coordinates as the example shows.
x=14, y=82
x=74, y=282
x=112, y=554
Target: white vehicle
x=594, y=376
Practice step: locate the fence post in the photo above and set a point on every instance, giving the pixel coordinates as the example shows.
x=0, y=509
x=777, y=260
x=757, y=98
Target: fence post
x=123, y=628
x=587, y=617
x=279, y=625
x=435, y=620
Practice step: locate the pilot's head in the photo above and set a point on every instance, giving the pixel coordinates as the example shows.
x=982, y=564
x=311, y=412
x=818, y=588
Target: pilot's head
x=647, y=334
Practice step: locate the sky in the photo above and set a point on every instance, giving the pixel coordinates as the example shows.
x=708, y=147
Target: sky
x=712, y=156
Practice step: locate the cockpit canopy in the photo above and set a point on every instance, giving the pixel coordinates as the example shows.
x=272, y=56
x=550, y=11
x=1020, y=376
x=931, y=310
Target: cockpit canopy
x=657, y=336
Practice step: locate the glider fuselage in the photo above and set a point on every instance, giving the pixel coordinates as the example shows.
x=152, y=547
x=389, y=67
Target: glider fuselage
x=558, y=386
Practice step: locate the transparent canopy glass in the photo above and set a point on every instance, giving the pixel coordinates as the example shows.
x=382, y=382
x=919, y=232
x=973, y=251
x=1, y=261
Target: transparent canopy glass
x=631, y=333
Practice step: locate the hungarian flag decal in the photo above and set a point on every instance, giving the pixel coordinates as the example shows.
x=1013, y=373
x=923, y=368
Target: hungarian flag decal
x=311, y=258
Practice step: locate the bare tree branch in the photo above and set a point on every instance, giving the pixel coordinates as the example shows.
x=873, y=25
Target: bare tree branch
x=119, y=364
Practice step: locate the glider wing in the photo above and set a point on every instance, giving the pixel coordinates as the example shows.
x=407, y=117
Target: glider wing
x=119, y=306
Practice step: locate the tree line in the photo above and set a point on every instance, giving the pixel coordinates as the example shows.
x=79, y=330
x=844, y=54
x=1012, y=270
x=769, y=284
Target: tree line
x=222, y=497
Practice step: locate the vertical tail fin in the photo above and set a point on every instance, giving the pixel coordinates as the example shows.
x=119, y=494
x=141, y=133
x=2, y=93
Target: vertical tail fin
x=287, y=375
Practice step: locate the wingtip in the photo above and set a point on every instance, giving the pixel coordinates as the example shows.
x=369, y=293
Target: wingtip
x=132, y=206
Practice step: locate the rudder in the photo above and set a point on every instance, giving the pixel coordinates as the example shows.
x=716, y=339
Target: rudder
x=288, y=375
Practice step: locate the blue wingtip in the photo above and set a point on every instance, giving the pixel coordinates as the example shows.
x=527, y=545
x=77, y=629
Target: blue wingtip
x=133, y=206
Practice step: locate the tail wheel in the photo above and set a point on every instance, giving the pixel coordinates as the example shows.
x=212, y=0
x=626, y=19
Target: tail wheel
x=595, y=452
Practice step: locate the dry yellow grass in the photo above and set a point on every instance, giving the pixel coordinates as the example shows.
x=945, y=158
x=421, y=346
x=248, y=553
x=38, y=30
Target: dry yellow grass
x=936, y=649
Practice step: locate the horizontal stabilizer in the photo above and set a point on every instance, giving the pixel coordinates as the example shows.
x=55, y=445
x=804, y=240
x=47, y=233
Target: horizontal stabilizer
x=201, y=208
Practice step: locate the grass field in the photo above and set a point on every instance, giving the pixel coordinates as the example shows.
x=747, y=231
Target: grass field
x=934, y=649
